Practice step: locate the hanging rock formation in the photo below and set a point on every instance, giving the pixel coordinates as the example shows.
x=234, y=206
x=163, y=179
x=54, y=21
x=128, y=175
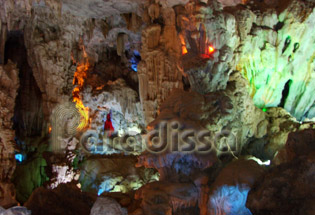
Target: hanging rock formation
x=160, y=69
x=276, y=56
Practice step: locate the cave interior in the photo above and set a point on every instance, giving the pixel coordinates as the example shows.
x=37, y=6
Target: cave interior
x=157, y=107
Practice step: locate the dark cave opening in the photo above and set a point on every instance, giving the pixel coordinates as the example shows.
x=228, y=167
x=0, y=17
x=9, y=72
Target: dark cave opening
x=111, y=67
x=28, y=116
x=285, y=93
x=27, y=122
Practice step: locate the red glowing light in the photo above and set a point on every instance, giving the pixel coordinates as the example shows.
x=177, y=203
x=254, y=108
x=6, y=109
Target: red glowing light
x=211, y=49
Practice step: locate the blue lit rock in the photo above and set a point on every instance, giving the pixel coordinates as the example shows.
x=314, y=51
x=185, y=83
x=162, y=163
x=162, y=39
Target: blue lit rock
x=228, y=193
x=230, y=200
x=15, y=211
x=166, y=197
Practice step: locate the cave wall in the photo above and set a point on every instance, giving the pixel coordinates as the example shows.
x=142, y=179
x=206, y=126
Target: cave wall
x=9, y=86
x=28, y=116
x=233, y=34
x=259, y=47
x=277, y=48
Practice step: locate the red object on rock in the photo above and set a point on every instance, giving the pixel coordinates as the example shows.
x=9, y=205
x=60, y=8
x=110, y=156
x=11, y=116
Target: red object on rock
x=108, y=126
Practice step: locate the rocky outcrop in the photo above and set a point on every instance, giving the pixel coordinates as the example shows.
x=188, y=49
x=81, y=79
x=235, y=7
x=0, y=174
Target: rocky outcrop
x=114, y=174
x=202, y=64
x=299, y=143
x=228, y=117
x=107, y=206
x=120, y=101
x=231, y=110
x=281, y=124
x=277, y=126
x=160, y=69
x=49, y=47
x=168, y=198
x=211, y=41
x=287, y=188
x=228, y=193
x=274, y=65
x=15, y=211
x=276, y=59
x=45, y=201
x=9, y=83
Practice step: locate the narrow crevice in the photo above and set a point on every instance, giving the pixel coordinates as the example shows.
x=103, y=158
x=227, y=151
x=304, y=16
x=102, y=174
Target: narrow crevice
x=285, y=93
x=28, y=117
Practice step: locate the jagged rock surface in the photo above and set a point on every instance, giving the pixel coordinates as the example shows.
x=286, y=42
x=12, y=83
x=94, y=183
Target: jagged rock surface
x=160, y=69
x=266, y=42
x=229, y=111
x=114, y=174
x=291, y=183
x=209, y=72
x=119, y=100
x=214, y=112
x=9, y=83
x=277, y=126
x=107, y=206
x=276, y=58
x=167, y=198
x=15, y=211
x=50, y=39
x=228, y=193
x=45, y=201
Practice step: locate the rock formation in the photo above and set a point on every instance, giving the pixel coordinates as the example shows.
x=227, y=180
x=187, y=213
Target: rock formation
x=15, y=211
x=107, y=206
x=234, y=76
x=9, y=83
x=276, y=57
x=288, y=184
x=160, y=69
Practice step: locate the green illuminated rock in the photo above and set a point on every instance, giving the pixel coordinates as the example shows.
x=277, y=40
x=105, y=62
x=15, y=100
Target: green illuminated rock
x=277, y=59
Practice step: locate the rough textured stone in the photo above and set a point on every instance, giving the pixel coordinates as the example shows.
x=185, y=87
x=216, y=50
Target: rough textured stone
x=228, y=192
x=289, y=185
x=158, y=72
x=107, y=206
x=100, y=9
x=278, y=46
x=9, y=83
x=114, y=174
x=44, y=201
x=49, y=47
x=15, y=211
x=119, y=100
x=258, y=48
x=277, y=126
x=166, y=198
